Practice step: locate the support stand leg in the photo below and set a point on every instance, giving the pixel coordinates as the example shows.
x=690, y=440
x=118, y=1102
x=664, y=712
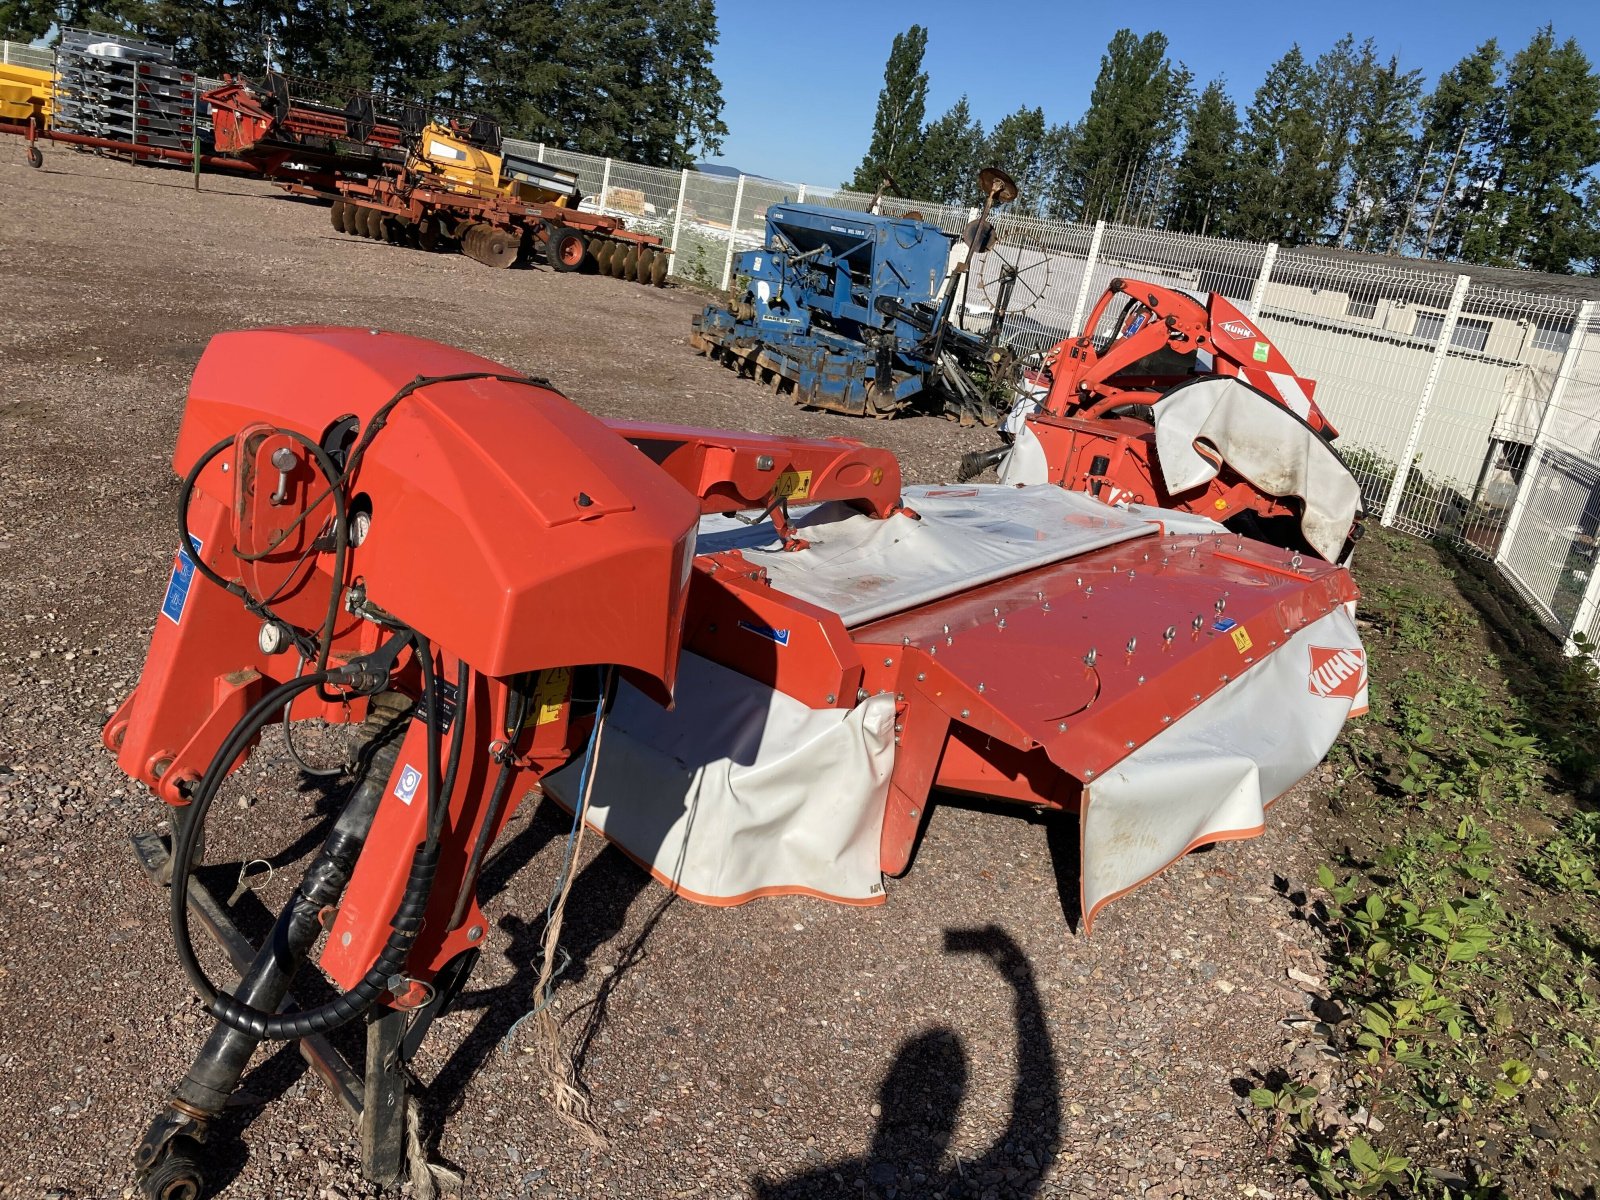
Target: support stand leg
x=383, y=1116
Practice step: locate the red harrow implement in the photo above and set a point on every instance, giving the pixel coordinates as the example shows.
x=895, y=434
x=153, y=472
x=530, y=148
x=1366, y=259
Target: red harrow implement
x=497, y=231
x=506, y=594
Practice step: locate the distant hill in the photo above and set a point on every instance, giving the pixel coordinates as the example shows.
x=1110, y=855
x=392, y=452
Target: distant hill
x=711, y=168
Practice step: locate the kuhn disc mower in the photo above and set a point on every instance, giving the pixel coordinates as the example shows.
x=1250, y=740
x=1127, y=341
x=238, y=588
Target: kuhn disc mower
x=790, y=655
x=1185, y=404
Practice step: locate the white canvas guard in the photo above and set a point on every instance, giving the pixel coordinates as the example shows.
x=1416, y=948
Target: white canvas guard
x=1263, y=442
x=1212, y=774
x=1024, y=463
x=740, y=791
x=866, y=569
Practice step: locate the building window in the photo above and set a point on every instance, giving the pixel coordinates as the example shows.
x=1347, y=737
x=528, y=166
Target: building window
x=1471, y=333
x=1365, y=309
x=1550, y=337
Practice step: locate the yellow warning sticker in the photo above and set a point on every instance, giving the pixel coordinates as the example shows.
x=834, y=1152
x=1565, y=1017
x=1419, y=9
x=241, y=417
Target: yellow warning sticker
x=549, y=694
x=793, y=485
x=1241, y=638
x=1221, y=504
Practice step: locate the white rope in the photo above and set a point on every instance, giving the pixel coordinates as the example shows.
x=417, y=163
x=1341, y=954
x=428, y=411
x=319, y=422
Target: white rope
x=571, y=1104
x=429, y=1180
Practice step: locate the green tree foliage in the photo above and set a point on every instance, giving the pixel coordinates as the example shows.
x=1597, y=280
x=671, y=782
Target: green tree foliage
x=953, y=148
x=1279, y=132
x=1542, y=214
x=1117, y=159
x=1205, y=179
x=895, y=150
x=1022, y=146
x=631, y=78
x=1460, y=135
x=1382, y=158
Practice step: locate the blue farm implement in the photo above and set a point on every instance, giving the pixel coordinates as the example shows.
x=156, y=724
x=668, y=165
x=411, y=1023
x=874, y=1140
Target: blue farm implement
x=853, y=312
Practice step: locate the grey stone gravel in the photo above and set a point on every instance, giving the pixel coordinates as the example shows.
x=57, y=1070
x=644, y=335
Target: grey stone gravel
x=787, y=1048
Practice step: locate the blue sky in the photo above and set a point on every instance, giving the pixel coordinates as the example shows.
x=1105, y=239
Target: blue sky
x=801, y=80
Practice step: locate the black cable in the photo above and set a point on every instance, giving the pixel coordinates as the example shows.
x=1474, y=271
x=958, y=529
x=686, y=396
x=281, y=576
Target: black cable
x=430, y=715
x=188, y=830
x=315, y=652
x=406, y=924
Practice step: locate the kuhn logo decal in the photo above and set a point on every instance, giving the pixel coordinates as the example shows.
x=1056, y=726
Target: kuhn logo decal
x=1337, y=671
x=1238, y=329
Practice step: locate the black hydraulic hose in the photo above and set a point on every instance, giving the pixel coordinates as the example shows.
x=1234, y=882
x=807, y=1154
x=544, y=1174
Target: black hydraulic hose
x=341, y=542
x=188, y=830
x=408, y=917
x=447, y=785
x=186, y=539
x=497, y=798
x=430, y=715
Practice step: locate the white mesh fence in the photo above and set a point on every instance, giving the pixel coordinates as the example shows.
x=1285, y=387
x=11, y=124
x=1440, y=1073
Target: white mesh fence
x=17, y=54
x=1464, y=410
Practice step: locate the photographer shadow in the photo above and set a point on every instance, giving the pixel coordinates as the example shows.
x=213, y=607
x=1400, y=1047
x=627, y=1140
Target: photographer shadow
x=920, y=1102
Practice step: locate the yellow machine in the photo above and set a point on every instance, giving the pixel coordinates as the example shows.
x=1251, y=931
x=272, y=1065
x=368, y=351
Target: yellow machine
x=449, y=161
x=24, y=93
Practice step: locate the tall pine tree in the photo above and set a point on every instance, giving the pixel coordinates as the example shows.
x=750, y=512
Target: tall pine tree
x=952, y=150
x=1020, y=145
x=1205, y=181
x=1461, y=123
x=1382, y=154
x=1114, y=162
x=1544, y=217
x=895, y=150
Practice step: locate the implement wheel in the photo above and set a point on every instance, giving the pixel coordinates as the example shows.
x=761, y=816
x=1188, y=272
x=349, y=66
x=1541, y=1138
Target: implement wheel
x=369, y=222
x=602, y=256
x=428, y=234
x=658, y=270
x=497, y=248
x=564, y=250
x=35, y=157
x=177, y=1175
x=630, y=264
x=647, y=258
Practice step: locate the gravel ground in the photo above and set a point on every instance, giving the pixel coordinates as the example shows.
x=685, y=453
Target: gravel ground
x=963, y=1039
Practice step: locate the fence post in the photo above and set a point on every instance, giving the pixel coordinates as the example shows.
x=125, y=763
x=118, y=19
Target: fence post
x=1584, y=617
x=1088, y=278
x=1402, y=469
x=800, y=196
x=733, y=228
x=677, y=220
x=1258, y=293
x=605, y=184
x=1530, y=468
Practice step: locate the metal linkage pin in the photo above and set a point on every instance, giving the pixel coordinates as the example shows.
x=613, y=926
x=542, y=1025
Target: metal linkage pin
x=1133, y=644
x=1170, y=633
x=1198, y=621
x=1088, y=659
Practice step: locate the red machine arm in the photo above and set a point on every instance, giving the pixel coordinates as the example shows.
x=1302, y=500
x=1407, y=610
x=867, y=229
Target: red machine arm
x=729, y=472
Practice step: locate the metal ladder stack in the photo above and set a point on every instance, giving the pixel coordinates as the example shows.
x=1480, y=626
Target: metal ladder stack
x=126, y=90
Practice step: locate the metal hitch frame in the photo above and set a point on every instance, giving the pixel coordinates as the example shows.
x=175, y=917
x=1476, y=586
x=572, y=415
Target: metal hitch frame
x=374, y=1096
